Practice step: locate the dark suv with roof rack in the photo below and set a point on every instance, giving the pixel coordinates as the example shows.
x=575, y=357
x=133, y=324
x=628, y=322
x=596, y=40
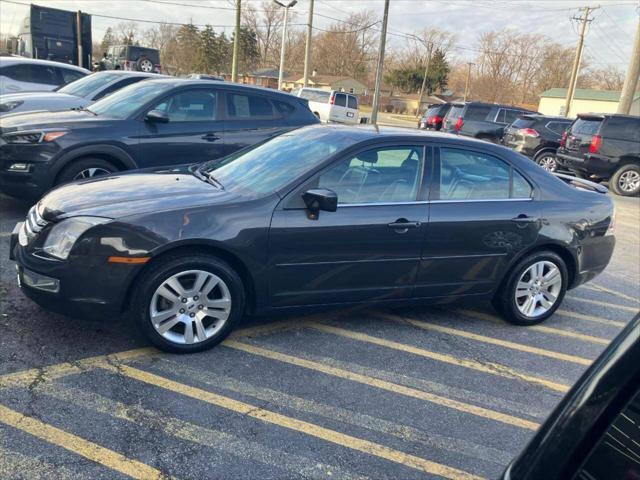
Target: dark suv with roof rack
x=604, y=147
x=485, y=121
x=537, y=137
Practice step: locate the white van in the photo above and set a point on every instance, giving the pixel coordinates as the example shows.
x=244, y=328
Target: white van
x=330, y=105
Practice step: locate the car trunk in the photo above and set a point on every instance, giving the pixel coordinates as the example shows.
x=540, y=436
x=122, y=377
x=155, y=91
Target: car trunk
x=581, y=135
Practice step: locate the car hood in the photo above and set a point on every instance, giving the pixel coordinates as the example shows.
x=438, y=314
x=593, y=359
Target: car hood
x=39, y=101
x=31, y=120
x=118, y=196
x=33, y=96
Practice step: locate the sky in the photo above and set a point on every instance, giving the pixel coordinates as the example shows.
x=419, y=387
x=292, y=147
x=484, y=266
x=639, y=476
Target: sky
x=608, y=42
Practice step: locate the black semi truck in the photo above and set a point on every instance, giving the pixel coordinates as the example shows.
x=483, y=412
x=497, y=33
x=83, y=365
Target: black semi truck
x=52, y=34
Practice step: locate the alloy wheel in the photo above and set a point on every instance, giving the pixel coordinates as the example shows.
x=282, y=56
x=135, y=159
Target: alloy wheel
x=146, y=66
x=548, y=162
x=190, y=307
x=629, y=181
x=538, y=289
x=91, y=172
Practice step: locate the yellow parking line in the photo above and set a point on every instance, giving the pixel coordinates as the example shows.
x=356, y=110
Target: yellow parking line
x=599, y=288
x=590, y=318
x=605, y=304
x=542, y=328
x=484, y=367
x=384, y=385
x=301, y=426
x=495, y=341
x=78, y=445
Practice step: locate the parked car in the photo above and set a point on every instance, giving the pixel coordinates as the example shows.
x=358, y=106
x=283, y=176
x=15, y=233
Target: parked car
x=322, y=215
x=77, y=94
x=594, y=432
x=205, y=76
x=19, y=74
x=538, y=137
x=155, y=123
x=131, y=57
x=330, y=105
x=485, y=121
x=604, y=147
x=432, y=118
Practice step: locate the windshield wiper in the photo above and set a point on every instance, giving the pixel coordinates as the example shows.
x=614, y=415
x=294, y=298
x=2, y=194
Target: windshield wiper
x=85, y=109
x=213, y=181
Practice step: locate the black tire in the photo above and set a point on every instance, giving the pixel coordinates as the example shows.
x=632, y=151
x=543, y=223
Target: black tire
x=616, y=180
x=504, y=300
x=157, y=273
x=77, y=167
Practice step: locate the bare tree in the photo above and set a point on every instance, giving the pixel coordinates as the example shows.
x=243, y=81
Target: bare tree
x=604, y=78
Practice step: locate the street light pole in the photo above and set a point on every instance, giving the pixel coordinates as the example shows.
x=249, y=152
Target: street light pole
x=284, y=37
x=307, y=48
x=466, y=83
x=424, y=80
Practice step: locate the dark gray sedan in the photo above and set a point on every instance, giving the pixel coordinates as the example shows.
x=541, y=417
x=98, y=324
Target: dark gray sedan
x=320, y=216
x=77, y=94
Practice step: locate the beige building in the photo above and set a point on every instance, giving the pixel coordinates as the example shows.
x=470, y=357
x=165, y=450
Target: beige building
x=585, y=100
x=328, y=82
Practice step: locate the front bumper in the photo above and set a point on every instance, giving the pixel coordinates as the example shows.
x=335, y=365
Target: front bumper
x=34, y=182
x=81, y=287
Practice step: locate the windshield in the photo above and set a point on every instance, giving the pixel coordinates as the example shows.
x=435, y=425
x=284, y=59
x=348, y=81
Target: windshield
x=88, y=85
x=523, y=122
x=455, y=112
x=583, y=126
x=272, y=165
x=124, y=102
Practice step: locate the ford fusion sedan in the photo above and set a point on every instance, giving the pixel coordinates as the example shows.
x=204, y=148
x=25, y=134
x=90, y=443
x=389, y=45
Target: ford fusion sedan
x=319, y=216
x=76, y=94
x=155, y=123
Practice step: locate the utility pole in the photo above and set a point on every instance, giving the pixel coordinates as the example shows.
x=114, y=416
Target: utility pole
x=383, y=41
x=424, y=79
x=633, y=74
x=466, y=83
x=284, y=38
x=307, y=48
x=236, y=44
x=79, y=38
x=578, y=58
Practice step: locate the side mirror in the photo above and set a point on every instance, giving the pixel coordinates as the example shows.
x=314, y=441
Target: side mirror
x=156, y=116
x=320, y=199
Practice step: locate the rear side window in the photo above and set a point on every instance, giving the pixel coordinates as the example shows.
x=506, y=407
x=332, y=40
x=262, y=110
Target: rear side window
x=557, y=127
x=511, y=115
x=284, y=109
x=316, y=96
x=69, y=76
x=622, y=128
x=190, y=106
x=248, y=106
x=340, y=100
x=523, y=123
x=32, y=73
x=477, y=112
x=585, y=127
x=353, y=102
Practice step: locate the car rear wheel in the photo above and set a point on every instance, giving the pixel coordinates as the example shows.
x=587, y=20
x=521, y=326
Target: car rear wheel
x=144, y=65
x=534, y=289
x=547, y=161
x=85, y=168
x=188, y=303
x=626, y=180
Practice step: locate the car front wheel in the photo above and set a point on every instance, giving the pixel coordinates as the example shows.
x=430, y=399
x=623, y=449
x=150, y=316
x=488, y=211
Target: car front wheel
x=548, y=162
x=626, y=180
x=534, y=289
x=188, y=303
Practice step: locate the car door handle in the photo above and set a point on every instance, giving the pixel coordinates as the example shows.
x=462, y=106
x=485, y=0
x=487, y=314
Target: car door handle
x=522, y=218
x=403, y=224
x=210, y=137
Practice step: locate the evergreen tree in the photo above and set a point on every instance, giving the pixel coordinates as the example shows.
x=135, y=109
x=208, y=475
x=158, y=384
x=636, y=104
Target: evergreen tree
x=107, y=40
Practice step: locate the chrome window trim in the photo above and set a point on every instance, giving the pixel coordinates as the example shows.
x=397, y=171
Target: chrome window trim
x=426, y=202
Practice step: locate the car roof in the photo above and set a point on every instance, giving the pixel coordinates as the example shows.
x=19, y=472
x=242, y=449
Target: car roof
x=130, y=73
x=540, y=116
x=14, y=60
x=498, y=105
x=178, y=82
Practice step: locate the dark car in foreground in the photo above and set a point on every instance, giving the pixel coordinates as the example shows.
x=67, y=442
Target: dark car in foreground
x=594, y=433
x=604, y=147
x=155, y=123
x=320, y=216
x=484, y=121
x=433, y=117
x=77, y=94
x=538, y=137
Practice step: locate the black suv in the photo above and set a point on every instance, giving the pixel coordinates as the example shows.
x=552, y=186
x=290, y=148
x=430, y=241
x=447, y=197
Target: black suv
x=433, y=117
x=604, y=147
x=154, y=123
x=538, y=137
x=485, y=121
x=130, y=57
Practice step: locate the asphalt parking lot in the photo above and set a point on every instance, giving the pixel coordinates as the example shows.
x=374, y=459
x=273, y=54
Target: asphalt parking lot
x=368, y=393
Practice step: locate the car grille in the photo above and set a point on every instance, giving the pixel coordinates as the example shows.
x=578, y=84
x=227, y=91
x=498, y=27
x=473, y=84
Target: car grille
x=34, y=223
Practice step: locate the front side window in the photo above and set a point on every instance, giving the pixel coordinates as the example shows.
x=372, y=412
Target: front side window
x=241, y=106
x=340, y=100
x=468, y=175
x=379, y=175
x=190, y=106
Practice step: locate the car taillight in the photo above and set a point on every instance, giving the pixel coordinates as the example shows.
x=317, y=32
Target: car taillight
x=435, y=119
x=596, y=143
x=332, y=99
x=563, y=140
x=529, y=132
x=459, y=124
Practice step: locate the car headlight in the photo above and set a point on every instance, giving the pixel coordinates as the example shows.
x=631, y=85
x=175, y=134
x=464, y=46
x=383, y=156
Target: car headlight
x=33, y=136
x=64, y=235
x=8, y=106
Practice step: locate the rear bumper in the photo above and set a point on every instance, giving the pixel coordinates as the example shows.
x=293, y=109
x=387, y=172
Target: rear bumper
x=593, y=257
x=588, y=164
